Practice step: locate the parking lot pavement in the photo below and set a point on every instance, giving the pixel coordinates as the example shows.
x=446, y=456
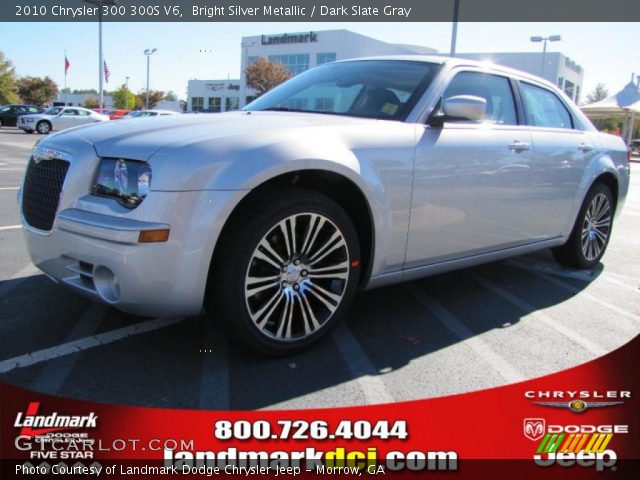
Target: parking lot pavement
x=477, y=328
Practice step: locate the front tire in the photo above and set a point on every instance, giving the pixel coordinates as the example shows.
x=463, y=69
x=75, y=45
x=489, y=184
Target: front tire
x=286, y=270
x=43, y=127
x=590, y=236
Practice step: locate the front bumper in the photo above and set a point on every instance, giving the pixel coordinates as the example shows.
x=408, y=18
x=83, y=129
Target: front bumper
x=100, y=257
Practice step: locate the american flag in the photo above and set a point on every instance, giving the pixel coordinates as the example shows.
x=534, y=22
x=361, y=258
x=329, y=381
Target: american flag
x=107, y=73
x=67, y=64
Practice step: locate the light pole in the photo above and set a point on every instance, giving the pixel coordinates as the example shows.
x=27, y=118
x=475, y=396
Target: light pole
x=126, y=82
x=100, y=4
x=454, y=28
x=148, y=52
x=551, y=38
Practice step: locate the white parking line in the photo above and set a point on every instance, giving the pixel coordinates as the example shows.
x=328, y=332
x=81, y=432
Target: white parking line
x=471, y=339
x=534, y=312
x=9, y=188
x=358, y=363
x=584, y=294
x=53, y=375
x=555, y=269
x=12, y=169
x=11, y=227
x=86, y=343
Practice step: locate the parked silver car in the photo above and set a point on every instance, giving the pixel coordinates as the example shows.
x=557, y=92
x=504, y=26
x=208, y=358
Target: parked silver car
x=352, y=175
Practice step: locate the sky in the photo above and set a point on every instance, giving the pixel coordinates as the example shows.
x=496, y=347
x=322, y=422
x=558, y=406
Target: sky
x=608, y=52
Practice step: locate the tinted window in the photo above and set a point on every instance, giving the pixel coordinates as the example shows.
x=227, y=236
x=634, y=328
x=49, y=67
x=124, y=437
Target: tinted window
x=385, y=89
x=34, y=110
x=494, y=89
x=5, y=109
x=543, y=108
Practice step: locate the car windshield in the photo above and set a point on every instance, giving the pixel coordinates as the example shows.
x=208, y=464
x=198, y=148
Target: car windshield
x=53, y=111
x=383, y=89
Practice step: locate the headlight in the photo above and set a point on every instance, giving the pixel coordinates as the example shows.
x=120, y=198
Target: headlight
x=127, y=181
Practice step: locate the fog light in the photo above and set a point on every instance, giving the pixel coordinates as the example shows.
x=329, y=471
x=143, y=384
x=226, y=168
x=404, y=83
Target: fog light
x=107, y=284
x=151, y=236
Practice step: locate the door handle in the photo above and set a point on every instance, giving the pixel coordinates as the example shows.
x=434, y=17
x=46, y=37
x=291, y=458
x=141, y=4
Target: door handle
x=583, y=147
x=519, y=146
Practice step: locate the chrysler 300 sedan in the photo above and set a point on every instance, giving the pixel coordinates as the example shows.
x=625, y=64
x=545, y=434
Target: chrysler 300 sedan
x=352, y=175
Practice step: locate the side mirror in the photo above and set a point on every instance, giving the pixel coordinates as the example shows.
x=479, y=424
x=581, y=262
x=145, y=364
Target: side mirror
x=460, y=108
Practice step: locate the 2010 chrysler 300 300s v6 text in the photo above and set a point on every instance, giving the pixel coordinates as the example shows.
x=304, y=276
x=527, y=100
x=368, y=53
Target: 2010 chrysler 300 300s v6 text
x=352, y=175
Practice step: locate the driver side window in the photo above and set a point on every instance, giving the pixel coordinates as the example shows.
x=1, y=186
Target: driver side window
x=494, y=89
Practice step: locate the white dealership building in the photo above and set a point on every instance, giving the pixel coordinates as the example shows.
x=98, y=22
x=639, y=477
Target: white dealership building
x=299, y=51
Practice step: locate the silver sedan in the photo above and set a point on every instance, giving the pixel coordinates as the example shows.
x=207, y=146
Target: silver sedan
x=352, y=175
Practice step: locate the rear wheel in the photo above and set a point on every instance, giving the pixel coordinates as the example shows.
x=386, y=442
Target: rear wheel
x=286, y=270
x=591, y=232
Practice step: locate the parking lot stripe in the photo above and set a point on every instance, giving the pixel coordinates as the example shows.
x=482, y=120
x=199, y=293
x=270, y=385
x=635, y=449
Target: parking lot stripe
x=365, y=374
x=214, y=376
x=86, y=343
x=583, y=275
x=534, y=312
x=9, y=284
x=53, y=374
x=470, y=338
x=11, y=227
x=620, y=311
x=9, y=188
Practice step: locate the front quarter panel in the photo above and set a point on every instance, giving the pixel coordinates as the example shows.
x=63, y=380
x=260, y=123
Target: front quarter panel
x=376, y=156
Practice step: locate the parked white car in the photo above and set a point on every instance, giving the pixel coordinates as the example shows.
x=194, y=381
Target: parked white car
x=59, y=118
x=149, y=113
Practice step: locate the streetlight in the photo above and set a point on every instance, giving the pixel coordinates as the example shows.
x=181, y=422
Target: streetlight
x=551, y=38
x=148, y=52
x=126, y=82
x=454, y=28
x=100, y=4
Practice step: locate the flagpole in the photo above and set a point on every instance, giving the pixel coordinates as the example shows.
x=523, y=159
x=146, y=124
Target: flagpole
x=66, y=92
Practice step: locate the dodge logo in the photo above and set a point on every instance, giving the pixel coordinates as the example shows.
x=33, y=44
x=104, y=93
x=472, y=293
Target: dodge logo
x=534, y=428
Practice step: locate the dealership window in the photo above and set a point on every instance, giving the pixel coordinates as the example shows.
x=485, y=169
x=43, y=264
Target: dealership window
x=325, y=58
x=252, y=59
x=324, y=104
x=231, y=103
x=569, y=88
x=215, y=104
x=249, y=99
x=544, y=108
x=197, y=104
x=295, y=63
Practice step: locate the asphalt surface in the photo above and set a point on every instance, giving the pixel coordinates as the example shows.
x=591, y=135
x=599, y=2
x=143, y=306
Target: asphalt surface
x=458, y=332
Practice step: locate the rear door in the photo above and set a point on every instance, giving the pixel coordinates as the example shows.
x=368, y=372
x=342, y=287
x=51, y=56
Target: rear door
x=561, y=153
x=472, y=180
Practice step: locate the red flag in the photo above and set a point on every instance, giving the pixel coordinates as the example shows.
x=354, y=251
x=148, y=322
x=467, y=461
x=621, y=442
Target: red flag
x=67, y=64
x=107, y=73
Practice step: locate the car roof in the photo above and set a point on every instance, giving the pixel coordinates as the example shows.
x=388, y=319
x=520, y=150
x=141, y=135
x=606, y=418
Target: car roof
x=452, y=62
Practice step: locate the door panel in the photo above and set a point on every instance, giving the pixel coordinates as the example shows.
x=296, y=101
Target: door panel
x=471, y=191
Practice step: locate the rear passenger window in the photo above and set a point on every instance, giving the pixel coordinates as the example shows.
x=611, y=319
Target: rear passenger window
x=543, y=108
x=494, y=89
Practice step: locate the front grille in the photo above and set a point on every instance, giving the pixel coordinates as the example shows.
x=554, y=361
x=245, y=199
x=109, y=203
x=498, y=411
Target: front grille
x=41, y=192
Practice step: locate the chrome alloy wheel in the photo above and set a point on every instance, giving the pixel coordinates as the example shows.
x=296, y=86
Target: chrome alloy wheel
x=297, y=277
x=596, y=227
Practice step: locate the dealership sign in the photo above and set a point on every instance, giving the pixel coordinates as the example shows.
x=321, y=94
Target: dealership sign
x=289, y=38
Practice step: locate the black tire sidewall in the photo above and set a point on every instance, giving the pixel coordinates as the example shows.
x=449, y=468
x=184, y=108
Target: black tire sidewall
x=228, y=301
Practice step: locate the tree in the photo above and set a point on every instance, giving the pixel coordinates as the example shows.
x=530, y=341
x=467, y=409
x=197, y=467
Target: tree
x=36, y=90
x=155, y=97
x=92, y=103
x=599, y=93
x=171, y=96
x=124, y=98
x=8, y=87
x=263, y=75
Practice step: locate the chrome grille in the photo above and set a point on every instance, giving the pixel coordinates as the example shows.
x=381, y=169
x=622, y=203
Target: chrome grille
x=41, y=192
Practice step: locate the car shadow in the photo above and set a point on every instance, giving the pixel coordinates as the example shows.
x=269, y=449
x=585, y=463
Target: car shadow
x=396, y=329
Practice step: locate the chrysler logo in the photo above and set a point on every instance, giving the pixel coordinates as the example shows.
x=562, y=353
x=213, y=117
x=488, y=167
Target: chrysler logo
x=534, y=428
x=44, y=153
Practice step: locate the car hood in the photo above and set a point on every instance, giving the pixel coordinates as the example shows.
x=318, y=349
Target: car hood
x=140, y=138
